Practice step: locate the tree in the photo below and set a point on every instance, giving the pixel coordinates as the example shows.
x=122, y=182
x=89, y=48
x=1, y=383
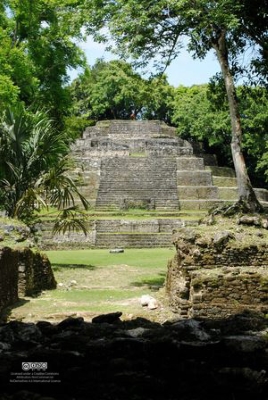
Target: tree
x=37, y=50
x=196, y=117
x=254, y=21
x=34, y=165
x=254, y=120
x=201, y=113
x=114, y=90
x=17, y=79
x=144, y=30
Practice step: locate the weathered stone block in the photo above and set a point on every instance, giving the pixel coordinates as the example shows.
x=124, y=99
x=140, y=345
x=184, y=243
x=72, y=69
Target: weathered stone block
x=190, y=163
x=194, y=178
x=23, y=273
x=218, y=284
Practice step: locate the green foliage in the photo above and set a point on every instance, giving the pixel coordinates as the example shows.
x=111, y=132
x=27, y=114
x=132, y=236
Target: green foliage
x=143, y=32
x=37, y=50
x=17, y=79
x=9, y=93
x=263, y=163
x=114, y=90
x=33, y=164
x=195, y=117
x=254, y=21
x=201, y=113
x=254, y=113
x=74, y=126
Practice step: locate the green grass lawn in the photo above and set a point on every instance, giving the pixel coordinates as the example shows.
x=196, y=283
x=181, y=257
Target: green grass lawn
x=144, y=258
x=91, y=282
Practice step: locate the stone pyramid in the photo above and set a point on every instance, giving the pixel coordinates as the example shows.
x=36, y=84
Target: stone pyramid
x=144, y=164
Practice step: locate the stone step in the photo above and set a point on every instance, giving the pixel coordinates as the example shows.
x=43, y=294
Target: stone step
x=119, y=173
x=228, y=193
x=231, y=193
x=170, y=152
x=200, y=204
x=197, y=192
x=137, y=187
x=153, y=195
x=138, y=193
x=194, y=178
x=221, y=171
x=135, y=164
x=138, y=164
x=128, y=203
x=149, y=226
x=190, y=163
x=163, y=161
x=134, y=176
x=140, y=240
x=262, y=194
x=224, y=181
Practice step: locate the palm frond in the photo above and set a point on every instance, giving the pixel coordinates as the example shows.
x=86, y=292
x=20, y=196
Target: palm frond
x=70, y=220
x=31, y=200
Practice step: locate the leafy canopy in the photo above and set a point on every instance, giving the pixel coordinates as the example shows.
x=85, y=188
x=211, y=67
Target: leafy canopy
x=37, y=50
x=33, y=165
x=114, y=90
x=201, y=113
x=156, y=29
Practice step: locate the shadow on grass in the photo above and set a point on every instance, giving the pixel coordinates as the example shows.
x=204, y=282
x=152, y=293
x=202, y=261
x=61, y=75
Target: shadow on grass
x=8, y=310
x=58, y=267
x=152, y=283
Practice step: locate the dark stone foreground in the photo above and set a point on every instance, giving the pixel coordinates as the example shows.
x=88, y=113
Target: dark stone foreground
x=110, y=359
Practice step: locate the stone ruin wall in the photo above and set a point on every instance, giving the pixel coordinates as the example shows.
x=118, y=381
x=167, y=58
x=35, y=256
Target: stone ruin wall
x=23, y=273
x=217, y=277
x=129, y=234
x=8, y=277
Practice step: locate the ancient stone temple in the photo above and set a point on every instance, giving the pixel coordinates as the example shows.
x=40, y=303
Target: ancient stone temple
x=126, y=165
x=142, y=164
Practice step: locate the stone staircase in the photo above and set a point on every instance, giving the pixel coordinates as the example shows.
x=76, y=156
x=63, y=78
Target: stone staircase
x=138, y=183
x=144, y=164
x=130, y=240
x=195, y=186
x=137, y=233
x=225, y=180
x=129, y=165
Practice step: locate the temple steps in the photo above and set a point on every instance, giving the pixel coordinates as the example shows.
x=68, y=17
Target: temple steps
x=126, y=182
x=200, y=204
x=198, y=192
x=194, y=178
x=130, y=240
x=127, y=168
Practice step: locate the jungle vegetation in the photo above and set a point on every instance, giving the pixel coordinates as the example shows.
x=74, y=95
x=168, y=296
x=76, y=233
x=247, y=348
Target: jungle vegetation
x=42, y=111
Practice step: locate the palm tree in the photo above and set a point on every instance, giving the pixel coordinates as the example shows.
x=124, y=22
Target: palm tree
x=34, y=165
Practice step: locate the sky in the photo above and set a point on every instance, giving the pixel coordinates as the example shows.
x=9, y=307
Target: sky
x=182, y=71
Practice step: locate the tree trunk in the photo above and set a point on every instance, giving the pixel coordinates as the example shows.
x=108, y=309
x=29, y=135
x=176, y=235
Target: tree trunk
x=247, y=196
